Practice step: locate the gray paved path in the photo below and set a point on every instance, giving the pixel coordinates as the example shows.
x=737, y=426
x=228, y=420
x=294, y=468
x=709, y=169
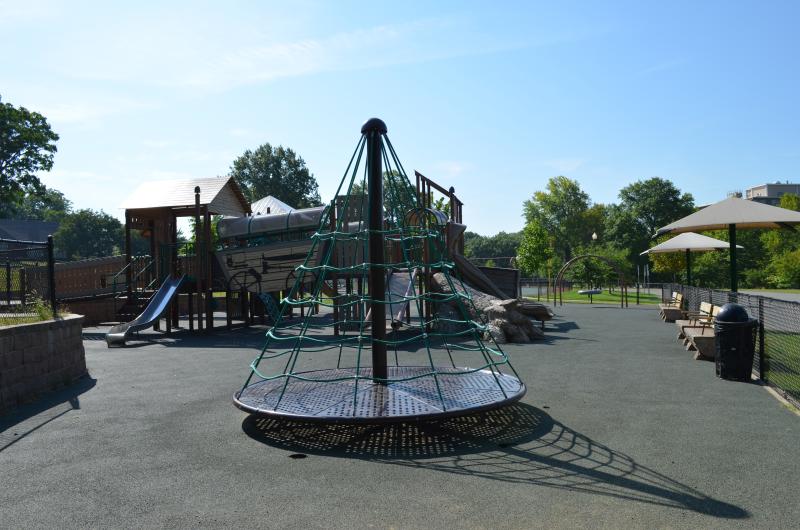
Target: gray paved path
x=789, y=297
x=620, y=428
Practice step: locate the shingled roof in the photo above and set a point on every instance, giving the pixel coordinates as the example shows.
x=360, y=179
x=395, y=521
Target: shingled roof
x=222, y=195
x=26, y=230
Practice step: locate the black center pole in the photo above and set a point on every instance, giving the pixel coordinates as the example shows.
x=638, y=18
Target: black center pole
x=688, y=267
x=373, y=129
x=732, y=239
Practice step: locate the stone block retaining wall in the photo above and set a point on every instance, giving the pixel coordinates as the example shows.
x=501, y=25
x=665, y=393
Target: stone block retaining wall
x=38, y=358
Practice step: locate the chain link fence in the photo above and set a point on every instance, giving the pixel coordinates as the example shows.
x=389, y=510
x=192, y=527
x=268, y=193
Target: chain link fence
x=777, y=359
x=27, y=282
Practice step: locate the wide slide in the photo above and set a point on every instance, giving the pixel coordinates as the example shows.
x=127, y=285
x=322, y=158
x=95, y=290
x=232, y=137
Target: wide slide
x=400, y=287
x=117, y=335
x=476, y=278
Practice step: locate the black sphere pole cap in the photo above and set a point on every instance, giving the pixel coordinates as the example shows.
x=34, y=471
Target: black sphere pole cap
x=374, y=124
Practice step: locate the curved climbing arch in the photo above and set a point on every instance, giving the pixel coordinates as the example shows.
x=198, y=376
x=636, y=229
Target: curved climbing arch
x=623, y=301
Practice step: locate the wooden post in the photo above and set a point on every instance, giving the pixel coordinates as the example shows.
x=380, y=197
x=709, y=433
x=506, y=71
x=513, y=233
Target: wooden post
x=190, y=310
x=198, y=264
x=174, y=309
x=128, y=276
x=207, y=253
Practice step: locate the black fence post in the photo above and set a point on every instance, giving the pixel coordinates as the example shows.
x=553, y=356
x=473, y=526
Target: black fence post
x=8, y=284
x=23, y=288
x=51, y=274
x=762, y=354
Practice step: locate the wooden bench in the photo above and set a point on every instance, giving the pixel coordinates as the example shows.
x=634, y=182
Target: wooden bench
x=698, y=334
x=663, y=305
x=701, y=318
x=673, y=310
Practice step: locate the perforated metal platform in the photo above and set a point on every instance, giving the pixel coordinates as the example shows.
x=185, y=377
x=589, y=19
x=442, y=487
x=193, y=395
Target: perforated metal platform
x=461, y=393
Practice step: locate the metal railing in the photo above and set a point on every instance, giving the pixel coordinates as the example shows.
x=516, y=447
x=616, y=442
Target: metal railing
x=777, y=359
x=27, y=280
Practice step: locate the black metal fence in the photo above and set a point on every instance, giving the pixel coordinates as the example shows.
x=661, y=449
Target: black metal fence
x=777, y=359
x=27, y=281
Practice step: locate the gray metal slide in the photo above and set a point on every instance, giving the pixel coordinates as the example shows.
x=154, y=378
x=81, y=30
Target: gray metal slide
x=476, y=278
x=117, y=335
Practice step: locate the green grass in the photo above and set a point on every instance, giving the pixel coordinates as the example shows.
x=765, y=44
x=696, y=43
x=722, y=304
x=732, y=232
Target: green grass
x=783, y=360
x=609, y=298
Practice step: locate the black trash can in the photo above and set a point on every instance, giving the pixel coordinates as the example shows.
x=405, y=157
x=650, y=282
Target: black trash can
x=735, y=341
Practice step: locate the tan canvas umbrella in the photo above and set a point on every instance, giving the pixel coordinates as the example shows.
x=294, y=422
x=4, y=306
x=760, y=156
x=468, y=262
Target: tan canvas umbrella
x=688, y=242
x=733, y=213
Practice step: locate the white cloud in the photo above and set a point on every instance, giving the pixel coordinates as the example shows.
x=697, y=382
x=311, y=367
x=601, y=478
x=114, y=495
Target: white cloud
x=87, y=112
x=449, y=169
x=564, y=165
x=165, y=53
x=15, y=11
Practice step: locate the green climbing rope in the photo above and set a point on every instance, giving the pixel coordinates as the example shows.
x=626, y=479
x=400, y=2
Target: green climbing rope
x=331, y=289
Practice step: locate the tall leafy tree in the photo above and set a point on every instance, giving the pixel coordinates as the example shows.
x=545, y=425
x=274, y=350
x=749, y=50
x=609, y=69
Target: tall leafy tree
x=561, y=211
x=27, y=146
x=535, y=250
x=645, y=206
x=42, y=203
x=89, y=234
x=276, y=171
x=655, y=202
x=503, y=244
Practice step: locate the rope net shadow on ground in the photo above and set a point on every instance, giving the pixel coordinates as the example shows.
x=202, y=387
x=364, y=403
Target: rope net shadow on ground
x=516, y=444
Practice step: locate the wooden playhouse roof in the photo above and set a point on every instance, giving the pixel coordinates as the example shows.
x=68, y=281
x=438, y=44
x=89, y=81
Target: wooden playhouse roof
x=222, y=195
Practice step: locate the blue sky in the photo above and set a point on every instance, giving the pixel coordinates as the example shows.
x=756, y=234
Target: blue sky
x=490, y=97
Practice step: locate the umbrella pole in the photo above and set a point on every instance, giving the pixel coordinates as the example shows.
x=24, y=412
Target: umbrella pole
x=688, y=267
x=732, y=242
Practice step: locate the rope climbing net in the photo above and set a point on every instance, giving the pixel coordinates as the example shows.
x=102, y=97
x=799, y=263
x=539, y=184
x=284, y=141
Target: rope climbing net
x=361, y=273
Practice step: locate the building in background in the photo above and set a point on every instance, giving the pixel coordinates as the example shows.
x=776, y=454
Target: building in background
x=26, y=230
x=771, y=193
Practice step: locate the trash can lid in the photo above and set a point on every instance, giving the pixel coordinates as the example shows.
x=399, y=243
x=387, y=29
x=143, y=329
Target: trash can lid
x=732, y=313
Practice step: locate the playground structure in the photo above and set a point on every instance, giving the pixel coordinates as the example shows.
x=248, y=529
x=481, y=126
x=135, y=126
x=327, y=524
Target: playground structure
x=376, y=249
x=241, y=274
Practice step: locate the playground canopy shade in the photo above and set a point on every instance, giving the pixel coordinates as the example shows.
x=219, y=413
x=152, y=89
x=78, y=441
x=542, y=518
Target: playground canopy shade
x=733, y=213
x=688, y=241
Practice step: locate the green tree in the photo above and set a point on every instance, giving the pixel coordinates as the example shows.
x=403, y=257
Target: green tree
x=43, y=203
x=655, y=202
x=596, y=272
x=779, y=242
x=89, y=234
x=561, y=211
x=502, y=244
x=27, y=146
x=645, y=206
x=276, y=171
x=535, y=250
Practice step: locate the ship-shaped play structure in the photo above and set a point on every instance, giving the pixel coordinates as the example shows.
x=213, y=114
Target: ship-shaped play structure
x=268, y=255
